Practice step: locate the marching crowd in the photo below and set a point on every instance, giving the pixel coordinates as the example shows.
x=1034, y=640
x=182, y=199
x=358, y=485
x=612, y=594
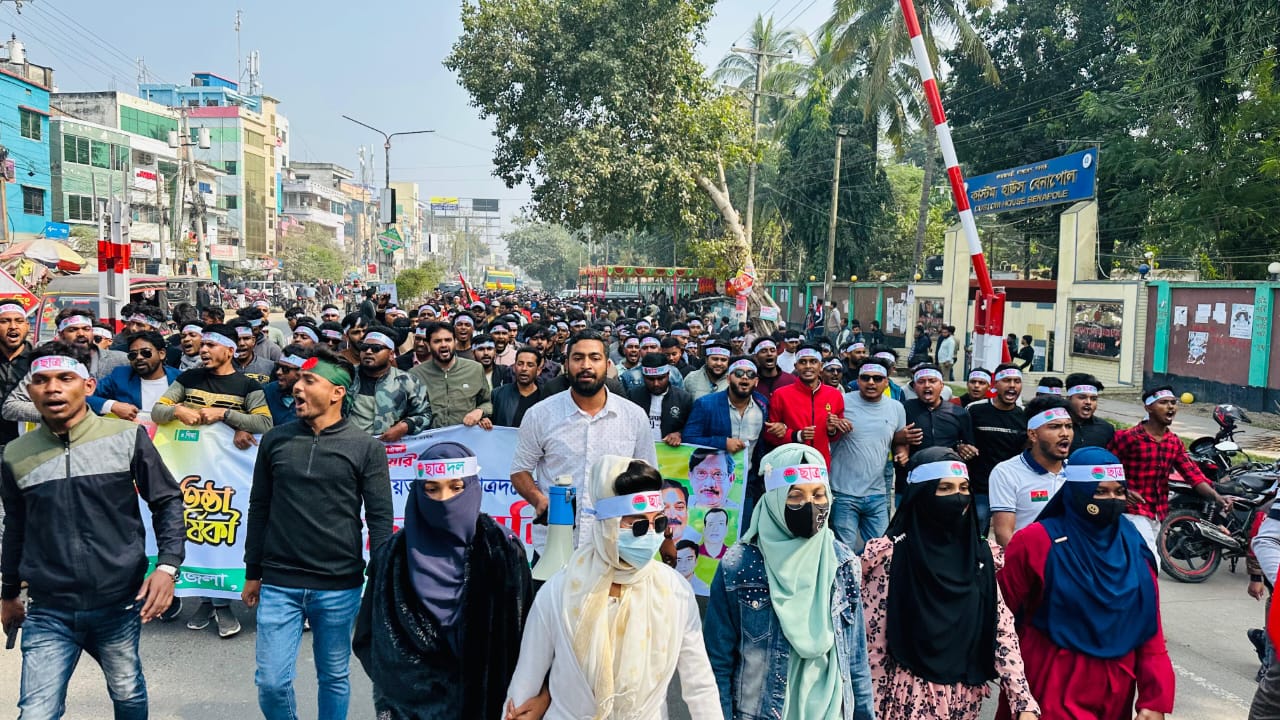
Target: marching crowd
x=901, y=549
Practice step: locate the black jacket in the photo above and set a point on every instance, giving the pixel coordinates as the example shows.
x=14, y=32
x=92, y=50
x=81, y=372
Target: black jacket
x=501, y=376
x=288, y=542
x=677, y=404
x=72, y=528
x=506, y=404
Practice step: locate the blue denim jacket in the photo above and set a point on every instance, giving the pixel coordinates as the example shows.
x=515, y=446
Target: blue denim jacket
x=749, y=653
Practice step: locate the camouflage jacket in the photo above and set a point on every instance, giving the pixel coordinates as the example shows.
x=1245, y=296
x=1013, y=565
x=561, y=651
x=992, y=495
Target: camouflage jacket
x=396, y=396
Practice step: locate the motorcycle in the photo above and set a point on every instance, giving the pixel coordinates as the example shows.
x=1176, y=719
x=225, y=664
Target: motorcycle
x=1217, y=455
x=1197, y=536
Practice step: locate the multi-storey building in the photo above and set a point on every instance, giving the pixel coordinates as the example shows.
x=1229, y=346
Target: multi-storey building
x=25, y=205
x=313, y=194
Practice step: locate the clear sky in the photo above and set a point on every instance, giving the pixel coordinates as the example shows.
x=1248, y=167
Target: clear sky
x=377, y=61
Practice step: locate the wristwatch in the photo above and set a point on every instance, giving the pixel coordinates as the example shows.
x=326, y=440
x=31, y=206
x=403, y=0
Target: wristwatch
x=169, y=570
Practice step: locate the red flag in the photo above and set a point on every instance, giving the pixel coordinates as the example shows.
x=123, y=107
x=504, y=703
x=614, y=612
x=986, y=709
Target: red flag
x=465, y=286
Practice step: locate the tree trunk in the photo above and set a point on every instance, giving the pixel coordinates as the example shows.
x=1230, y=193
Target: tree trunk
x=930, y=151
x=719, y=195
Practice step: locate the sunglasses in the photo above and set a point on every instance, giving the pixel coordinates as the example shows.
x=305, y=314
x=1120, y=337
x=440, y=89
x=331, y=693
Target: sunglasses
x=872, y=378
x=640, y=528
x=372, y=347
x=146, y=353
x=744, y=374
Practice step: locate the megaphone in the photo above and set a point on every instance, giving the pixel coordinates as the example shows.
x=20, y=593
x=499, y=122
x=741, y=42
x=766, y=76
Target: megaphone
x=559, y=545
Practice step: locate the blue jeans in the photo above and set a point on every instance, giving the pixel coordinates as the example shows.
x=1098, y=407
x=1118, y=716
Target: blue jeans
x=855, y=520
x=52, y=640
x=982, y=505
x=332, y=614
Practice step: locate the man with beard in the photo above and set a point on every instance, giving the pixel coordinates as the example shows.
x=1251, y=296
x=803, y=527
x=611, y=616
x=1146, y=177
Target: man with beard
x=999, y=433
x=808, y=411
x=484, y=351
x=354, y=327
x=732, y=420
x=75, y=327
x=134, y=389
x=1150, y=451
x=464, y=329
x=420, y=353
x=668, y=407
x=216, y=393
x=504, y=352
x=279, y=392
x=540, y=339
x=1022, y=485
x=456, y=386
x=771, y=377
x=713, y=376
x=853, y=356
x=567, y=432
x=1082, y=402
x=188, y=355
x=14, y=360
x=513, y=400
x=629, y=351
x=259, y=369
x=833, y=374
x=386, y=402
x=634, y=378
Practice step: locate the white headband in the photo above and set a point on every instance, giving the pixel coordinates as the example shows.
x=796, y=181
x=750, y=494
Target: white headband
x=631, y=341
x=855, y=346
x=633, y=504
x=765, y=345
x=218, y=339
x=809, y=353
x=792, y=474
x=448, y=469
x=193, y=329
x=101, y=332
x=832, y=363
x=1093, y=473
x=1046, y=390
x=717, y=351
x=74, y=321
x=308, y=332
x=292, y=361
x=1156, y=396
x=1007, y=373
x=926, y=373
x=57, y=363
x=14, y=308
x=463, y=320
x=887, y=357
x=381, y=339
x=650, y=342
x=655, y=371
x=1035, y=422
x=938, y=471
x=489, y=344
x=680, y=333
x=333, y=334
x=244, y=331
x=872, y=369
x=1082, y=390
x=742, y=364
x=980, y=375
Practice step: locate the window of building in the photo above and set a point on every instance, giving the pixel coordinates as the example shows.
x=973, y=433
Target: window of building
x=230, y=202
x=75, y=149
x=100, y=155
x=79, y=207
x=119, y=157
x=148, y=124
x=32, y=200
x=31, y=124
x=231, y=166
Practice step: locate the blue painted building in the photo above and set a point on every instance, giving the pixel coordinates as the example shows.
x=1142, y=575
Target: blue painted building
x=24, y=136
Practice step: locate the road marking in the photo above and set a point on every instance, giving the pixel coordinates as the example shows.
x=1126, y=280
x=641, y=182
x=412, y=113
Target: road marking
x=1212, y=689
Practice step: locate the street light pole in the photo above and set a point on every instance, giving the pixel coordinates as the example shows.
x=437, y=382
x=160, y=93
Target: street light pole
x=386, y=149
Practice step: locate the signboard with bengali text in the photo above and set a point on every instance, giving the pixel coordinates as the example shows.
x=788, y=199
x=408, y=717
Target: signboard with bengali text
x=1060, y=180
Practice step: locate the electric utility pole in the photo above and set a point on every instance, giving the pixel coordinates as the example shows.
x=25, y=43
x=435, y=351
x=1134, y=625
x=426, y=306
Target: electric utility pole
x=760, y=56
x=831, y=227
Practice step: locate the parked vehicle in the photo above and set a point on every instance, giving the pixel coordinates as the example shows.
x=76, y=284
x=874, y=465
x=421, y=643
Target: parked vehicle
x=82, y=291
x=1218, y=454
x=1197, y=536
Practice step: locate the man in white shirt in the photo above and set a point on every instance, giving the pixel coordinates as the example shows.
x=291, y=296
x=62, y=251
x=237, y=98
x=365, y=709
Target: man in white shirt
x=787, y=358
x=567, y=432
x=947, y=351
x=1021, y=486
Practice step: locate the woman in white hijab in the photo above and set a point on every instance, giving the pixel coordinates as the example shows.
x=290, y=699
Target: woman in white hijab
x=607, y=633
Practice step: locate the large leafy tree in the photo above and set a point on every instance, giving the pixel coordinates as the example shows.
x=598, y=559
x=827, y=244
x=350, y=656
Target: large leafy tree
x=312, y=256
x=547, y=253
x=602, y=109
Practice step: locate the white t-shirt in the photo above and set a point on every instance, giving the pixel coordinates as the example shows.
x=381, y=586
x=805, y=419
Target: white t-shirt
x=655, y=416
x=1020, y=486
x=787, y=361
x=152, y=390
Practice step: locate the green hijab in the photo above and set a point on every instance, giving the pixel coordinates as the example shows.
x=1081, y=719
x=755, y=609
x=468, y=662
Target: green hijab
x=802, y=573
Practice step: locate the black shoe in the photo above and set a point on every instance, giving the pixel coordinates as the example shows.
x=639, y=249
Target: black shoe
x=174, y=610
x=1259, y=640
x=202, y=618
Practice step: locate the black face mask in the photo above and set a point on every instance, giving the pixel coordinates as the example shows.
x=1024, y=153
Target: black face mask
x=1104, y=513
x=805, y=521
x=947, y=512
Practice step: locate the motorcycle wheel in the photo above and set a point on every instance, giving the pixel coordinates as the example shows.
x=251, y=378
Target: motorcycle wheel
x=1184, y=555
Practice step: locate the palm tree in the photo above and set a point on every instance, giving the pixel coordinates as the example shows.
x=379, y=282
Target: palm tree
x=871, y=37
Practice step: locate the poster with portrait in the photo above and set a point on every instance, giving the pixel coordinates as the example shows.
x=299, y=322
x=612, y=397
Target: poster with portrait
x=1241, y=321
x=703, y=490
x=1197, y=347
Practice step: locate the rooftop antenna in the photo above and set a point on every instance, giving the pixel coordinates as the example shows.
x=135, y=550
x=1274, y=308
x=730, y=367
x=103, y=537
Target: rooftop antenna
x=255, y=69
x=239, y=66
x=142, y=71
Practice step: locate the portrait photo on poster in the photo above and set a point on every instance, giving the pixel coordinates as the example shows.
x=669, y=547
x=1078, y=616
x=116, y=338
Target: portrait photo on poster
x=702, y=491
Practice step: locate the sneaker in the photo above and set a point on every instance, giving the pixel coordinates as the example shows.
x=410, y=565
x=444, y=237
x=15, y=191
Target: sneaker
x=202, y=618
x=228, y=623
x=306, y=624
x=175, y=609
x=1259, y=640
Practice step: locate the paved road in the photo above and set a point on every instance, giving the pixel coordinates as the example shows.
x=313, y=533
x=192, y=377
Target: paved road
x=197, y=676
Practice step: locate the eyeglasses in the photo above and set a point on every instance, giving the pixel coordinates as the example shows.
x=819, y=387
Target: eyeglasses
x=146, y=353
x=372, y=347
x=872, y=378
x=744, y=374
x=640, y=527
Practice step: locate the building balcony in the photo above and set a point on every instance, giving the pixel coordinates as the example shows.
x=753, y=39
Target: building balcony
x=307, y=187
x=315, y=215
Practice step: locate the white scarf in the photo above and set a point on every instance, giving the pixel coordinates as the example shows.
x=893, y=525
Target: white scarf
x=629, y=659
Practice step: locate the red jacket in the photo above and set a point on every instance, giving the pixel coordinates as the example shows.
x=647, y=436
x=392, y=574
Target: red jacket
x=799, y=406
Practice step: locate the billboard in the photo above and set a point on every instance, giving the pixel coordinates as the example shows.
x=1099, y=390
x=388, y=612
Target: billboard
x=1061, y=180
x=443, y=204
x=484, y=205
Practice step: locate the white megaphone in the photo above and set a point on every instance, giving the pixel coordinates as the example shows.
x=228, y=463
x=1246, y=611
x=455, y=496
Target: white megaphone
x=559, y=545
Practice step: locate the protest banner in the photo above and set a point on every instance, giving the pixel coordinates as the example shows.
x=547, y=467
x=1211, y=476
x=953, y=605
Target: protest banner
x=704, y=491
